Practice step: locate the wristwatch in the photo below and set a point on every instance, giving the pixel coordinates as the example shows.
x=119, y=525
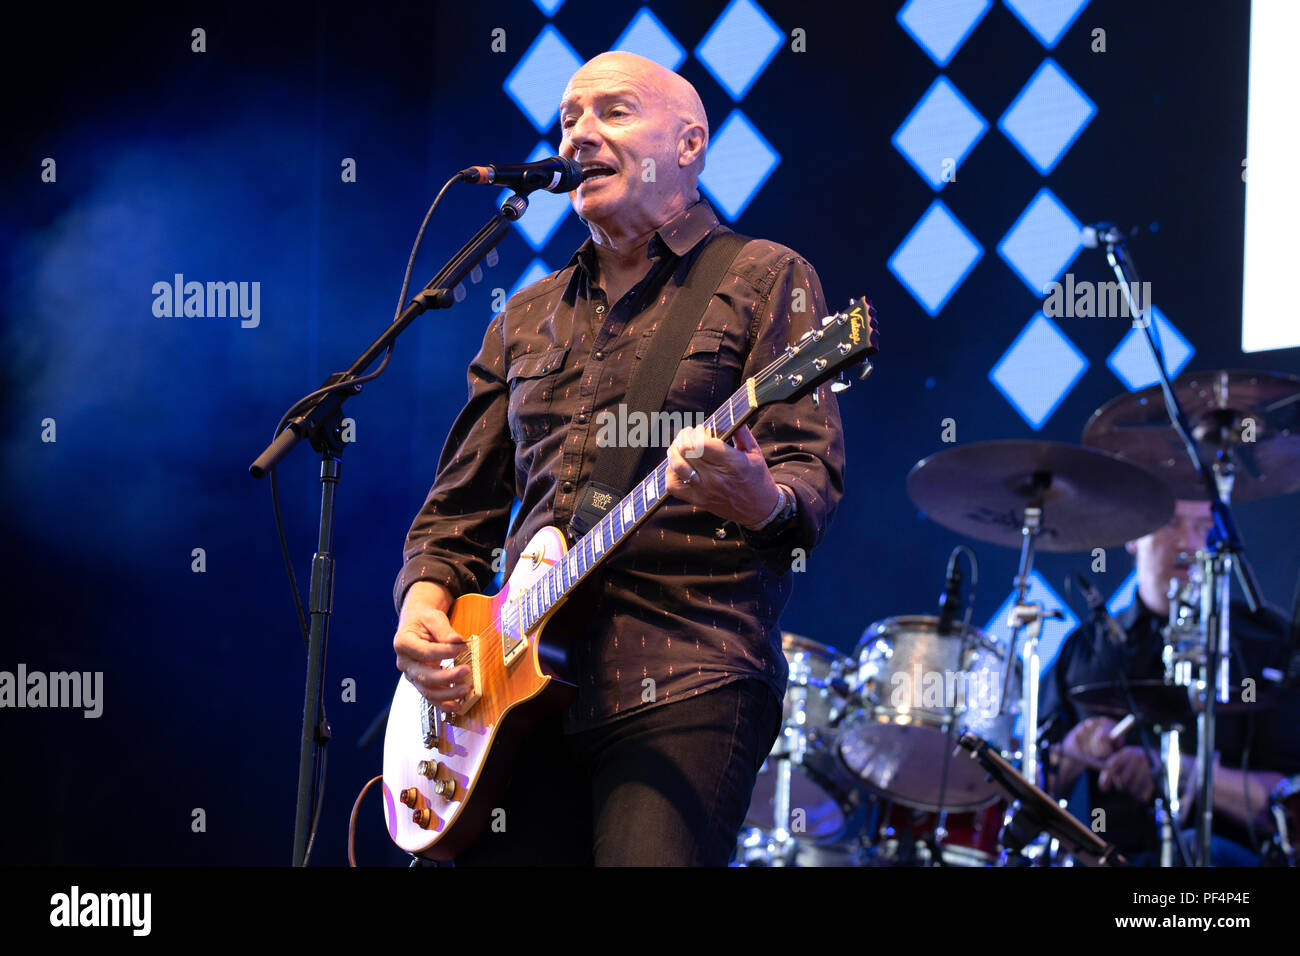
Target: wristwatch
x=786, y=506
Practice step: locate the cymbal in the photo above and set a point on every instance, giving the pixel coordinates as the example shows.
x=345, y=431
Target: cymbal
x=1090, y=499
x=1157, y=702
x=1219, y=405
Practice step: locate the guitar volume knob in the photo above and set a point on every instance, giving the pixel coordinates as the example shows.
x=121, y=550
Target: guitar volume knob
x=445, y=788
x=410, y=796
x=427, y=768
x=422, y=818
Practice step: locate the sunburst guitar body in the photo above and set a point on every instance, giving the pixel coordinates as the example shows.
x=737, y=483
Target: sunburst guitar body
x=444, y=774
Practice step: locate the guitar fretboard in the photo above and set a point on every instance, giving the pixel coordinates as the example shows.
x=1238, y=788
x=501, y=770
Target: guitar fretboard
x=621, y=520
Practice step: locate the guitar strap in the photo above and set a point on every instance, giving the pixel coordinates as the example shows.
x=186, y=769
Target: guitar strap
x=652, y=377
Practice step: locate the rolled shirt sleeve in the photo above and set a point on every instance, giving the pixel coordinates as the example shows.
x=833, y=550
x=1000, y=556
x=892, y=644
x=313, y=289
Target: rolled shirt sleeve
x=802, y=441
x=459, y=530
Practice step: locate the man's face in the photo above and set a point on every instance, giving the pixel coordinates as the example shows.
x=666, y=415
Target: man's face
x=1157, y=552
x=615, y=117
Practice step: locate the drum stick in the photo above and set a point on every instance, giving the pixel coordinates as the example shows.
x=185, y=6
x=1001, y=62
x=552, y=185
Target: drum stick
x=1116, y=734
x=1120, y=729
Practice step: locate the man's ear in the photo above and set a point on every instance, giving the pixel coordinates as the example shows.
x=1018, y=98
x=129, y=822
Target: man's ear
x=690, y=145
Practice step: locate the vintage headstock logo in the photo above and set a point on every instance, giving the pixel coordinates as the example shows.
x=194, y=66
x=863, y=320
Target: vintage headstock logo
x=856, y=322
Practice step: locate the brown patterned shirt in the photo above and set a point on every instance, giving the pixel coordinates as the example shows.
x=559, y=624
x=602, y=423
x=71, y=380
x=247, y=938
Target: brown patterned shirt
x=689, y=601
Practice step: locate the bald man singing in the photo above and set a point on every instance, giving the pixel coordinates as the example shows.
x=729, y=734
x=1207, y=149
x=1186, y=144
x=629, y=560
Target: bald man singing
x=677, y=652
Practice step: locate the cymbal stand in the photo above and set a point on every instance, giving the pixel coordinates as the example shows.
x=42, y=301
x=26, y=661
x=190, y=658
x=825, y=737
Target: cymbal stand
x=1021, y=617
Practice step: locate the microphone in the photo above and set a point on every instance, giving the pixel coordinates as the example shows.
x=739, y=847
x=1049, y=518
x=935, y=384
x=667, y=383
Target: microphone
x=950, y=600
x=1103, y=234
x=556, y=175
x=1097, y=604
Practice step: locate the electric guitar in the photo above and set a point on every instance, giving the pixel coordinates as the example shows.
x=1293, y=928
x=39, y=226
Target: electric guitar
x=444, y=773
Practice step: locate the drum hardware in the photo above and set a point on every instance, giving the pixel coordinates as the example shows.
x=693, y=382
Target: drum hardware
x=1284, y=806
x=1237, y=418
x=804, y=805
x=1000, y=492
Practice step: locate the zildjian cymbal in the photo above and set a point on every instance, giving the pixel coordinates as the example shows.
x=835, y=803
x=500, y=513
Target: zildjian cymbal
x=1251, y=418
x=1090, y=499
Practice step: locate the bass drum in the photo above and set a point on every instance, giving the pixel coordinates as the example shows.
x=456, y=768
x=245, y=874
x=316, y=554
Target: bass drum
x=914, y=685
x=908, y=837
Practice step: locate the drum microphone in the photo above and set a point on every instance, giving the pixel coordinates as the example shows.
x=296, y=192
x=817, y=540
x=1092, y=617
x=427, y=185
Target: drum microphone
x=1097, y=604
x=555, y=175
x=950, y=600
x=1104, y=234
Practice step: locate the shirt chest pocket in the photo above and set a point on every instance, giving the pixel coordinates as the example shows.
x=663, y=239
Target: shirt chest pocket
x=532, y=379
x=695, y=385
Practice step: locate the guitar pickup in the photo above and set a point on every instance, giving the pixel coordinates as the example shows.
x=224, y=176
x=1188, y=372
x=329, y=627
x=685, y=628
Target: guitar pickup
x=475, y=675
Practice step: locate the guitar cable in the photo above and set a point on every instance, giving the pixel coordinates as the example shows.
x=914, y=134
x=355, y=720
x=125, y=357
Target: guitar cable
x=352, y=820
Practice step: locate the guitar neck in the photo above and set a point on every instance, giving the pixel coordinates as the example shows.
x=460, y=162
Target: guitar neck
x=622, y=519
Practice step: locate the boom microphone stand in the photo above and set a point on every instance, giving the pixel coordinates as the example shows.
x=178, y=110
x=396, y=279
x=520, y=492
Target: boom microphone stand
x=319, y=419
x=1226, y=551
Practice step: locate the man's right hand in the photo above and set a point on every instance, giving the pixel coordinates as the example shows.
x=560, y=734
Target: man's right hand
x=1087, y=745
x=424, y=639
x=1091, y=738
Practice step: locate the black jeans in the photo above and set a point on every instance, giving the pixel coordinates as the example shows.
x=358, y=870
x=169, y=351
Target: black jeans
x=668, y=787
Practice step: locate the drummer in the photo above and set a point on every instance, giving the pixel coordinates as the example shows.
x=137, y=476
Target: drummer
x=1126, y=785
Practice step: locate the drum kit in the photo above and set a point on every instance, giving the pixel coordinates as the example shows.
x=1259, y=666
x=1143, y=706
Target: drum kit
x=905, y=752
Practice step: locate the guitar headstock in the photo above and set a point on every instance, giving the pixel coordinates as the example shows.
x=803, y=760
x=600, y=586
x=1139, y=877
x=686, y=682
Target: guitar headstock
x=845, y=339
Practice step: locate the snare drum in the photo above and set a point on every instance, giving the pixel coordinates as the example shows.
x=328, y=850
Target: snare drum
x=914, y=684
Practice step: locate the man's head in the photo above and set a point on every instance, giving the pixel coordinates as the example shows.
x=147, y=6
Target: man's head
x=647, y=126
x=1157, y=553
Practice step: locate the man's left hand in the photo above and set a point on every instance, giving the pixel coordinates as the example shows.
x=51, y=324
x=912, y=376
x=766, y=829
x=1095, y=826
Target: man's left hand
x=730, y=480
x=1127, y=771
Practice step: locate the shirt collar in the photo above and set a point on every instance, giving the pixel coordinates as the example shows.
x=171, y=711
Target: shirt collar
x=678, y=235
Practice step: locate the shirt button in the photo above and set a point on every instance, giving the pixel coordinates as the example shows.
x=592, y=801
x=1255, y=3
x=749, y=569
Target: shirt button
x=566, y=487
x=600, y=310
x=598, y=356
x=581, y=419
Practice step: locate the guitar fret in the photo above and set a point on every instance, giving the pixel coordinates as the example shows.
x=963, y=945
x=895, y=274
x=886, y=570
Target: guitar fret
x=615, y=524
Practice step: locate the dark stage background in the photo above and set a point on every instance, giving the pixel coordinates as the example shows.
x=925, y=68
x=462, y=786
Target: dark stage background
x=226, y=165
